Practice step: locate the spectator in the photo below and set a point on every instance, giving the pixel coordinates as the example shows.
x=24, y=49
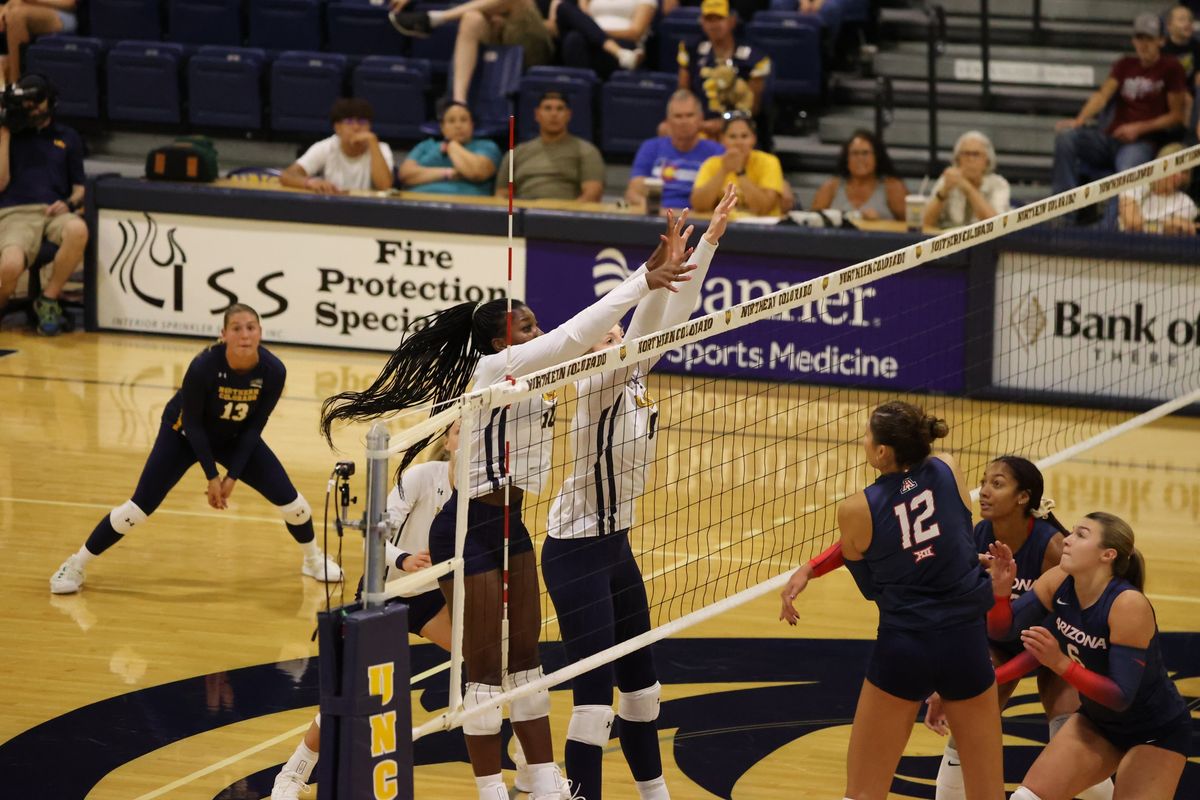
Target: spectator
x=41, y=193
x=1180, y=27
x=727, y=76
x=675, y=158
x=24, y=20
x=352, y=158
x=757, y=175
x=970, y=190
x=504, y=22
x=458, y=163
x=556, y=165
x=1161, y=207
x=591, y=33
x=1150, y=92
x=866, y=182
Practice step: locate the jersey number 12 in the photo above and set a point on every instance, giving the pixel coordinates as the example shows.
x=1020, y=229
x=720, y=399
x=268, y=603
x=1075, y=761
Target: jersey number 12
x=912, y=516
x=235, y=411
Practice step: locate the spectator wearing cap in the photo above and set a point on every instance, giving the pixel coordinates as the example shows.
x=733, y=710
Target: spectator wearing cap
x=555, y=165
x=1150, y=91
x=969, y=190
x=727, y=75
x=758, y=176
x=24, y=20
x=674, y=159
x=1161, y=207
x=351, y=159
x=457, y=163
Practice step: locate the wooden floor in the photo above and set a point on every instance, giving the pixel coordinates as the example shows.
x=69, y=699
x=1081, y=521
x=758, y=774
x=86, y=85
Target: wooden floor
x=196, y=623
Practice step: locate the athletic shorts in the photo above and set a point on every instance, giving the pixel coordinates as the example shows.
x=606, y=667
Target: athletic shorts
x=1175, y=735
x=484, y=548
x=954, y=662
x=26, y=226
x=422, y=608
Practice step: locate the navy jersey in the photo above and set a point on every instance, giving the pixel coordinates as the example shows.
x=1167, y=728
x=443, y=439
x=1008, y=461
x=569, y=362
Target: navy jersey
x=1029, y=557
x=220, y=410
x=1083, y=634
x=922, y=555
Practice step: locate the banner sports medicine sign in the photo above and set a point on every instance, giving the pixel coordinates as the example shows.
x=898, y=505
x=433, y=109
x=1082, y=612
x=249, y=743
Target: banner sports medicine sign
x=312, y=284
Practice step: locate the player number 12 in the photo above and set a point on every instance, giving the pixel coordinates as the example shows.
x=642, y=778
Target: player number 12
x=913, y=531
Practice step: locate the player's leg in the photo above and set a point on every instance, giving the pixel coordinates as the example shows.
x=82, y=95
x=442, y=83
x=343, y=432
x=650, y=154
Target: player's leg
x=882, y=725
x=169, y=459
x=1152, y=771
x=266, y=475
x=640, y=692
x=576, y=572
x=950, y=784
x=966, y=680
x=1061, y=700
x=1076, y=758
x=292, y=780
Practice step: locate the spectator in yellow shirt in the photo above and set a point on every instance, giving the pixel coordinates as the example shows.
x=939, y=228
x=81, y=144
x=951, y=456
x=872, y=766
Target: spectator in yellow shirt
x=757, y=175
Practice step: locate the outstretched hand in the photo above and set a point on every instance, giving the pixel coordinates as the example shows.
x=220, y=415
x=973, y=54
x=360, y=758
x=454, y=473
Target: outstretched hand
x=1003, y=568
x=671, y=265
x=720, y=215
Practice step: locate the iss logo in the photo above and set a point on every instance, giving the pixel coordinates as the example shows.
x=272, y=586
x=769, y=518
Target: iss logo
x=609, y=270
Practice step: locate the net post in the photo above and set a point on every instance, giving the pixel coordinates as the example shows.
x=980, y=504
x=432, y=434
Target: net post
x=376, y=530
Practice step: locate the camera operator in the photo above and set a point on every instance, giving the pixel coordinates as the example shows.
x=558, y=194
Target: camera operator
x=41, y=193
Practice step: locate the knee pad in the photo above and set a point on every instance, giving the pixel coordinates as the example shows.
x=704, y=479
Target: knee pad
x=126, y=516
x=591, y=725
x=489, y=722
x=530, y=706
x=1024, y=794
x=640, y=706
x=296, y=512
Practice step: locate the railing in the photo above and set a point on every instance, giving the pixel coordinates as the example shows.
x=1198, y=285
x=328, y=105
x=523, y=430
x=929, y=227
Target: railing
x=935, y=45
x=885, y=105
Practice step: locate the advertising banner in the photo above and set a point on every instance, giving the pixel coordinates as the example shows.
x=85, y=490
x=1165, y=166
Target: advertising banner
x=312, y=284
x=1108, y=328
x=906, y=331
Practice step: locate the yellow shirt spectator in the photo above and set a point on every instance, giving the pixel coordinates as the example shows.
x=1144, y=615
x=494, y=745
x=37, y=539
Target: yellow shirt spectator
x=758, y=176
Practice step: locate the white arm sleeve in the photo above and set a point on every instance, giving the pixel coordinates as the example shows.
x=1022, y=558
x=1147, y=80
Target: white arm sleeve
x=392, y=555
x=681, y=304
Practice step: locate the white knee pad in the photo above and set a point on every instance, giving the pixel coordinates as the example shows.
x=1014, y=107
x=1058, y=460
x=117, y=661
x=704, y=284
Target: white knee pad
x=590, y=725
x=126, y=516
x=531, y=706
x=640, y=706
x=1023, y=794
x=296, y=512
x=489, y=722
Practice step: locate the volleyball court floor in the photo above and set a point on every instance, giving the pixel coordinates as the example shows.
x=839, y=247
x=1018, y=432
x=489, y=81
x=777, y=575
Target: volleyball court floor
x=185, y=668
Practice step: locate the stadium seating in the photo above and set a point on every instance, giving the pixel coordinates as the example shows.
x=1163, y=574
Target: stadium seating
x=205, y=22
x=577, y=85
x=357, y=28
x=303, y=88
x=438, y=48
x=631, y=106
x=143, y=82
x=494, y=85
x=285, y=24
x=681, y=25
x=72, y=63
x=793, y=42
x=125, y=19
x=225, y=87
x=398, y=90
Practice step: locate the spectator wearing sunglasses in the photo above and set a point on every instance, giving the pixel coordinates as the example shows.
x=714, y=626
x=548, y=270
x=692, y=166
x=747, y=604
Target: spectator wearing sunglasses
x=352, y=158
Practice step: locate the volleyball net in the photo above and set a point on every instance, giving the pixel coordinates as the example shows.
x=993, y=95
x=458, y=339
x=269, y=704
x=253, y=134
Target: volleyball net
x=757, y=410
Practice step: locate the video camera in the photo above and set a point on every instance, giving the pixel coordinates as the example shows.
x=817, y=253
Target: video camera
x=20, y=101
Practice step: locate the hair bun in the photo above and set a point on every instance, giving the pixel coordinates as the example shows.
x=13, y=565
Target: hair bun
x=936, y=427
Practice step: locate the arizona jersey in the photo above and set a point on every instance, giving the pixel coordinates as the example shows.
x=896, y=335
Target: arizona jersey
x=1083, y=634
x=922, y=555
x=217, y=406
x=411, y=508
x=527, y=427
x=1029, y=557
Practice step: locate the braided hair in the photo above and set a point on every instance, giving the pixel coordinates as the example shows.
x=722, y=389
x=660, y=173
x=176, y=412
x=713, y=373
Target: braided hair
x=433, y=364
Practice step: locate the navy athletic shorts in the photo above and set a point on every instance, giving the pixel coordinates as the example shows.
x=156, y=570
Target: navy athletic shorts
x=954, y=662
x=1175, y=735
x=422, y=608
x=484, y=548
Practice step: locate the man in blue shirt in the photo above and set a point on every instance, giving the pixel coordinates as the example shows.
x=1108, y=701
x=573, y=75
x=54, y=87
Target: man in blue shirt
x=674, y=159
x=41, y=189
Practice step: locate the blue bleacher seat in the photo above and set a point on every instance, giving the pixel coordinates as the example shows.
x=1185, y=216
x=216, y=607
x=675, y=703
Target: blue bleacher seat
x=794, y=44
x=438, y=47
x=303, y=88
x=285, y=24
x=494, y=85
x=631, y=106
x=225, y=87
x=205, y=21
x=398, y=90
x=72, y=63
x=681, y=25
x=125, y=19
x=143, y=82
x=361, y=29
x=577, y=85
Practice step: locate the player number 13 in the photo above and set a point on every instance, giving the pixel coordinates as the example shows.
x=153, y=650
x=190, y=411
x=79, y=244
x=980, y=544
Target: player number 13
x=912, y=516
x=235, y=411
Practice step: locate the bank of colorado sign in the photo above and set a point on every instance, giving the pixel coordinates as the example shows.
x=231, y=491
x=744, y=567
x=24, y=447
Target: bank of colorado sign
x=312, y=284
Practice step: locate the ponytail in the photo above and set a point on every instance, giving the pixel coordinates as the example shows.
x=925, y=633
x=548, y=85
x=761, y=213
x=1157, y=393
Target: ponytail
x=1135, y=570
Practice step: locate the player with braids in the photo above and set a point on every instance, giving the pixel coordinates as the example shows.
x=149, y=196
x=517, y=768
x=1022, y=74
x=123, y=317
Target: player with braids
x=1132, y=720
x=1016, y=512
x=217, y=416
x=433, y=364
x=907, y=542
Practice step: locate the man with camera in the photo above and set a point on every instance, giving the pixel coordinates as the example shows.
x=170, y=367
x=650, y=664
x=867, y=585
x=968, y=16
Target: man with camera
x=41, y=193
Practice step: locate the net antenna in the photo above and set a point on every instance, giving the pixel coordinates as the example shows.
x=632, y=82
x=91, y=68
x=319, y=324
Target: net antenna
x=508, y=326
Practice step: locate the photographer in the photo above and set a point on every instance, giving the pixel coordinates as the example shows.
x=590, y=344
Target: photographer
x=41, y=191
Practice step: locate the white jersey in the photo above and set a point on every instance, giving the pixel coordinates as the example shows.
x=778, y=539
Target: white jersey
x=411, y=511
x=615, y=428
x=528, y=427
